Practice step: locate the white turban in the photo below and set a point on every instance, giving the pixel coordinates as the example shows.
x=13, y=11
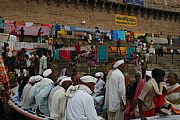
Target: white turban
x=98, y=74
x=60, y=78
x=65, y=79
x=149, y=73
x=88, y=79
x=118, y=63
x=35, y=78
x=47, y=72
x=102, y=75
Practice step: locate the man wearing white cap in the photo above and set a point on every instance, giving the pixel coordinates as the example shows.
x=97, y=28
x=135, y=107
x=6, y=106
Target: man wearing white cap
x=53, y=90
x=99, y=84
x=26, y=90
x=80, y=105
x=148, y=75
x=40, y=92
x=115, y=98
x=59, y=99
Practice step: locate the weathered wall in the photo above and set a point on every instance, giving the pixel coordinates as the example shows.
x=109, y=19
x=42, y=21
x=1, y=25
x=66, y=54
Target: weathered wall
x=74, y=15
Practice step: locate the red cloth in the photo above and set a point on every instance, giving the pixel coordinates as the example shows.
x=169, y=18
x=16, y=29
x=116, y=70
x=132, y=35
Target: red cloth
x=65, y=54
x=149, y=113
x=159, y=101
x=78, y=48
x=137, y=92
x=132, y=33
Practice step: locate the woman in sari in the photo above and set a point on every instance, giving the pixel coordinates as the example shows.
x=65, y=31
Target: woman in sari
x=137, y=87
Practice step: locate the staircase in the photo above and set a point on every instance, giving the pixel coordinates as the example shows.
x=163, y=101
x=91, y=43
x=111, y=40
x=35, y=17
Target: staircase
x=166, y=63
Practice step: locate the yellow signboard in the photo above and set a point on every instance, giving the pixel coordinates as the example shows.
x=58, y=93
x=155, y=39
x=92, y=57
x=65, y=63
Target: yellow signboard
x=125, y=20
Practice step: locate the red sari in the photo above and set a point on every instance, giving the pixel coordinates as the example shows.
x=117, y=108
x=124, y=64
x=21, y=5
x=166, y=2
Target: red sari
x=158, y=102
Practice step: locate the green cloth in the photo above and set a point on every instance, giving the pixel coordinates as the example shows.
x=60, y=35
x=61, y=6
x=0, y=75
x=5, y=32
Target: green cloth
x=1, y=22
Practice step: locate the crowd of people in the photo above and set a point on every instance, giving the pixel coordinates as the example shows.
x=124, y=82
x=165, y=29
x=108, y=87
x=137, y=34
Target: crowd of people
x=112, y=95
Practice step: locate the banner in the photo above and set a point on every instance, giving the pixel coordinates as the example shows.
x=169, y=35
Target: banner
x=134, y=2
x=125, y=20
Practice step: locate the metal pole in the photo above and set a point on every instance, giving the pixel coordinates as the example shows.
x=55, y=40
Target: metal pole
x=156, y=56
x=172, y=57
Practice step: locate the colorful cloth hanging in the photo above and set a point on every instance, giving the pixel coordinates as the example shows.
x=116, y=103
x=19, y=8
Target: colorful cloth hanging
x=129, y=52
x=115, y=35
x=121, y=35
x=102, y=53
x=56, y=54
x=65, y=54
x=58, y=27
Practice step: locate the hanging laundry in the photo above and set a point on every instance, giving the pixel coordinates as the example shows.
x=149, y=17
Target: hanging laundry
x=102, y=53
x=67, y=28
x=56, y=54
x=65, y=54
x=58, y=27
x=129, y=52
x=121, y=35
x=115, y=35
x=72, y=28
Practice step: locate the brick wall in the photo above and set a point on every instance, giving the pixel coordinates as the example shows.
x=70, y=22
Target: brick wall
x=74, y=15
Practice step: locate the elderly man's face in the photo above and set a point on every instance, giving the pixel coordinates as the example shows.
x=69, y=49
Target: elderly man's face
x=66, y=84
x=91, y=86
x=76, y=79
x=122, y=67
x=170, y=79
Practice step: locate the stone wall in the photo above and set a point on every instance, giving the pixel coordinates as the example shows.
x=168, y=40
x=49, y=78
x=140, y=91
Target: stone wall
x=30, y=11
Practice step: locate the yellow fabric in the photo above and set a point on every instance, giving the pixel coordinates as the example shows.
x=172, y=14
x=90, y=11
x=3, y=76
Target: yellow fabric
x=114, y=49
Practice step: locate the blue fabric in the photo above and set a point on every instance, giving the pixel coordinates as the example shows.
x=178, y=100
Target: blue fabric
x=56, y=54
x=115, y=35
x=102, y=53
x=129, y=52
x=72, y=28
x=121, y=35
x=67, y=28
x=58, y=27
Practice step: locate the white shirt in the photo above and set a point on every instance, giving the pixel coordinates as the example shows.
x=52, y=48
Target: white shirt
x=43, y=64
x=81, y=106
x=50, y=96
x=115, y=91
x=99, y=86
x=58, y=105
x=25, y=95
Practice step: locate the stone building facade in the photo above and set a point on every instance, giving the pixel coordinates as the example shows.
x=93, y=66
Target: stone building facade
x=101, y=14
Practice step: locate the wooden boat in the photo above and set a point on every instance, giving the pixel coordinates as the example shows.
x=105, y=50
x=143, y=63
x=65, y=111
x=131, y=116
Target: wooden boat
x=15, y=104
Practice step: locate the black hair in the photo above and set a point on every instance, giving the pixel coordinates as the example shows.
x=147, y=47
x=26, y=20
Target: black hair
x=156, y=73
x=44, y=52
